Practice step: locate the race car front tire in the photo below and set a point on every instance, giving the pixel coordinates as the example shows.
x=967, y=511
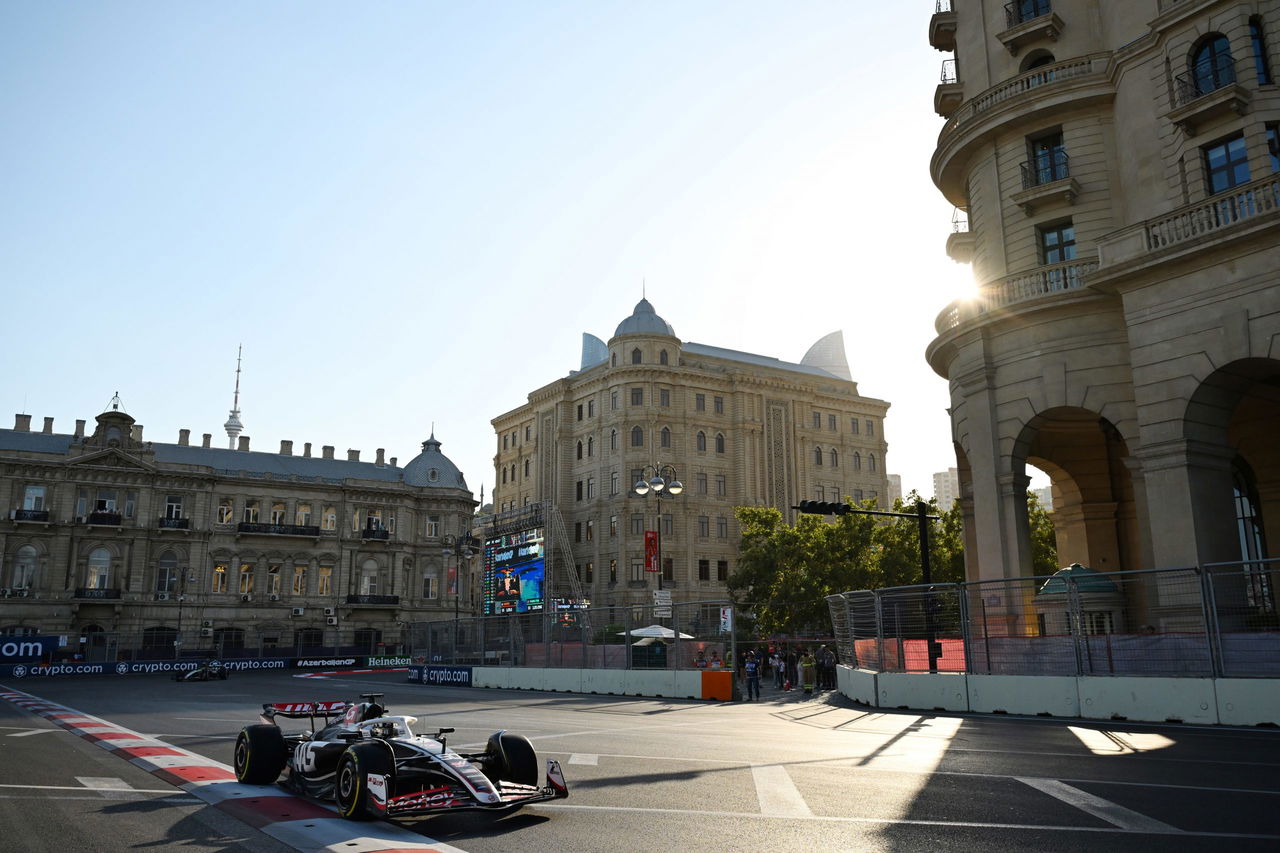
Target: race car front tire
x=260, y=755
x=351, y=783
x=512, y=759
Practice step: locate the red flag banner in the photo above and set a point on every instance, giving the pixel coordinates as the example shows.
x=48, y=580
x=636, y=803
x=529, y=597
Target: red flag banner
x=651, y=551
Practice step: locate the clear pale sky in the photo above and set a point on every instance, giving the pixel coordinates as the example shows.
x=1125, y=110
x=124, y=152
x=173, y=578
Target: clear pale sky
x=409, y=212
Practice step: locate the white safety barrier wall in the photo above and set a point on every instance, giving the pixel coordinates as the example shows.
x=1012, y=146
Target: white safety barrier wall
x=680, y=684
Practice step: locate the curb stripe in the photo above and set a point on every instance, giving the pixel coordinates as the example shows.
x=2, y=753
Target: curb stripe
x=303, y=824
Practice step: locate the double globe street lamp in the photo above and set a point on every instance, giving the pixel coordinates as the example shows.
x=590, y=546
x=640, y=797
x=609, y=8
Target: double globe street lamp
x=663, y=482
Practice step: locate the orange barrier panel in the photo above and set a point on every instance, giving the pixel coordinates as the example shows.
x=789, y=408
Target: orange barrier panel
x=717, y=685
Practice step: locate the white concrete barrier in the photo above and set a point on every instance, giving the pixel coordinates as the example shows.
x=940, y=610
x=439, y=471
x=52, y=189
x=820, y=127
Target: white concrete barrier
x=688, y=684
x=1056, y=695
x=491, y=676
x=527, y=678
x=608, y=682
x=649, y=682
x=1157, y=700
x=1248, y=701
x=923, y=691
x=858, y=684
x=562, y=680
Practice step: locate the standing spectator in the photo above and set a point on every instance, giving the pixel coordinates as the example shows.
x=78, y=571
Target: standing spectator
x=752, y=668
x=775, y=661
x=826, y=669
x=700, y=661
x=808, y=671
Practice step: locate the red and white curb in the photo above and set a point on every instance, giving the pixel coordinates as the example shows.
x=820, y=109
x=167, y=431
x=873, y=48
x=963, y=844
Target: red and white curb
x=328, y=673
x=304, y=825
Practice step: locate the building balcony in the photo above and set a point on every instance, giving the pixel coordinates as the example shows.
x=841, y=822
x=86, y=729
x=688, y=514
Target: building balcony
x=950, y=92
x=110, y=519
x=175, y=524
x=29, y=515
x=97, y=593
x=1046, y=181
x=1028, y=99
x=1050, y=280
x=961, y=242
x=1028, y=21
x=373, y=600
x=1207, y=93
x=278, y=529
x=375, y=533
x=942, y=26
x=1240, y=213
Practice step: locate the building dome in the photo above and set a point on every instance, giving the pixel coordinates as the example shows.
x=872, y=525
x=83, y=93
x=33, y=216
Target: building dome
x=644, y=321
x=432, y=468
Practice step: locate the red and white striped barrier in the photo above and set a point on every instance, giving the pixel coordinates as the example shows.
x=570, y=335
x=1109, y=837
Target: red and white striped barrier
x=303, y=824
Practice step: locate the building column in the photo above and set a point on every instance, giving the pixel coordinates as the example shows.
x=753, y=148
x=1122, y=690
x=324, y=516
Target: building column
x=1195, y=520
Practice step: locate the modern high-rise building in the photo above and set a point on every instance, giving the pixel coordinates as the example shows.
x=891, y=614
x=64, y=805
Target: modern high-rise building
x=1118, y=168
x=946, y=488
x=734, y=428
x=895, y=489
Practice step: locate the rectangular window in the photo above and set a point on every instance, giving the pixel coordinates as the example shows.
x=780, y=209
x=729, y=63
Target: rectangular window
x=722, y=570
x=871, y=425
x=637, y=396
x=528, y=432
x=302, y=516
x=637, y=524
x=722, y=485
x=433, y=526
x=246, y=578
x=613, y=483
x=1226, y=164
x=857, y=496
x=668, y=526
x=577, y=531
x=704, y=570
x=369, y=584
x=668, y=569
x=817, y=420
x=578, y=490
x=273, y=579
x=324, y=585
x=219, y=577
x=173, y=506
x=33, y=498
x=330, y=518
x=704, y=526
x=1057, y=244
x=664, y=397
x=130, y=504
x=613, y=525
x=579, y=411
x=853, y=425
x=831, y=422
x=722, y=527
x=277, y=514
x=591, y=488
x=591, y=408
x=591, y=529
x=613, y=571
x=1047, y=161
x=299, y=580
x=702, y=484
x=250, y=513
x=637, y=569
x=719, y=405
x=430, y=587
x=1273, y=146
x=613, y=399
x=700, y=402
x=591, y=572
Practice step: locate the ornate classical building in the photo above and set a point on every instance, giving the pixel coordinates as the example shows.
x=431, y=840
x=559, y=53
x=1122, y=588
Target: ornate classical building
x=1119, y=168
x=137, y=545
x=734, y=428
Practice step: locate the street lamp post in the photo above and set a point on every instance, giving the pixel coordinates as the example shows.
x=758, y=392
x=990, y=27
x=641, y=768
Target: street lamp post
x=464, y=547
x=664, y=480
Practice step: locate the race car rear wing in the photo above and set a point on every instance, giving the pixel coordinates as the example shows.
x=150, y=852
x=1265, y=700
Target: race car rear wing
x=302, y=710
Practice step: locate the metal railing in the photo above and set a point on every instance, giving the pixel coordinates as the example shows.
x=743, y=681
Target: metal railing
x=278, y=529
x=1213, y=620
x=1204, y=78
x=942, y=6
x=1045, y=169
x=949, y=71
x=1214, y=214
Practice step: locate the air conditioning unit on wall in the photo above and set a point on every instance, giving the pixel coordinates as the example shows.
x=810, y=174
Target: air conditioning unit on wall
x=331, y=611
x=332, y=620
x=206, y=632
x=248, y=596
x=299, y=611
x=207, y=623
x=274, y=597
x=162, y=596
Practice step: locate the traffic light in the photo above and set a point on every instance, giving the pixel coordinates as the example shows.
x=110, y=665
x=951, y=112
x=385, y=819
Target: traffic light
x=824, y=508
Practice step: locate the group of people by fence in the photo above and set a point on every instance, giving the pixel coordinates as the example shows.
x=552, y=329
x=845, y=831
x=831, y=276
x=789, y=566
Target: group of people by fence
x=789, y=668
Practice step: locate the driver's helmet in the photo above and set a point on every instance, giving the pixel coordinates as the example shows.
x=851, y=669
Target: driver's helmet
x=383, y=730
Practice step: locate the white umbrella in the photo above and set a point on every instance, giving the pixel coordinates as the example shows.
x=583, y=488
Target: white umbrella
x=656, y=631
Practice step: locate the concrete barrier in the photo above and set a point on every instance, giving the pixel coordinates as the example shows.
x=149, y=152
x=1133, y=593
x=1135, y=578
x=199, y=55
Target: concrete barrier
x=1248, y=701
x=1055, y=695
x=923, y=690
x=607, y=682
x=649, y=682
x=688, y=684
x=1157, y=700
x=491, y=676
x=562, y=680
x=858, y=684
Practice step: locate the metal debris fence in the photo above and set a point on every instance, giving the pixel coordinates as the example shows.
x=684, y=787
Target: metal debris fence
x=1216, y=620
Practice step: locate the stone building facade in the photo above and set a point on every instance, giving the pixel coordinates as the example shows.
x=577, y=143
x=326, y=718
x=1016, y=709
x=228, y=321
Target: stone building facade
x=137, y=545
x=736, y=429
x=1120, y=171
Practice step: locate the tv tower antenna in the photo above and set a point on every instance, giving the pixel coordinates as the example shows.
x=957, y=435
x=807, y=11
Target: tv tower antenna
x=234, y=426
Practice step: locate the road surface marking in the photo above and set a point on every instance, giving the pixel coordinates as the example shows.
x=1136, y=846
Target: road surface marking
x=82, y=788
x=30, y=732
x=777, y=794
x=1104, y=809
x=584, y=758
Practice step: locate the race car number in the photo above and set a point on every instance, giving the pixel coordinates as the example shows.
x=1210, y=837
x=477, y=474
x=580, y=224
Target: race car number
x=304, y=757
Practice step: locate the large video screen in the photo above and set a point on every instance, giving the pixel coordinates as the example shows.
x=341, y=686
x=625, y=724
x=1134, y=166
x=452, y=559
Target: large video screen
x=515, y=572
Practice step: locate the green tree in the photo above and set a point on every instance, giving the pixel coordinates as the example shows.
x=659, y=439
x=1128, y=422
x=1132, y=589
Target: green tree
x=1044, y=540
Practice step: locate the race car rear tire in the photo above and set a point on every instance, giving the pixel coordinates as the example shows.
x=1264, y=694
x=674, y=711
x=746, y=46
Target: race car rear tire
x=513, y=759
x=351, y=782
x=260, y=755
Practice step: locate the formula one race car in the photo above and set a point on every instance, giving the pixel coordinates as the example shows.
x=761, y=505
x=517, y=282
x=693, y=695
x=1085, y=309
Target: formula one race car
x=372, y=765
x=206, y=671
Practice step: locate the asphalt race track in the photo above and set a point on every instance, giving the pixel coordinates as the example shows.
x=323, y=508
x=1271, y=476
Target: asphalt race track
x=787, y=773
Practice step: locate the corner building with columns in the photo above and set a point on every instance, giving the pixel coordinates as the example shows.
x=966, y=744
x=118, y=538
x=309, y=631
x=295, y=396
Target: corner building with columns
x=145, y=547
x=735, y=428
x=1118, y=169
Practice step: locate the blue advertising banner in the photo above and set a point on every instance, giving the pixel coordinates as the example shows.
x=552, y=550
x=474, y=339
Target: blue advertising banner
x=453, y=676
x=22, y=649
x=134, y=667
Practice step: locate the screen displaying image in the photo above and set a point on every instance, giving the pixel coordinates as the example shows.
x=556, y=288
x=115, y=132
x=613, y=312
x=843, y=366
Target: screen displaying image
x=514, y=572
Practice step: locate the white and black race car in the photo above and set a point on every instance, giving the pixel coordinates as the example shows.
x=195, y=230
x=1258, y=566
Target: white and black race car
x=372, y=765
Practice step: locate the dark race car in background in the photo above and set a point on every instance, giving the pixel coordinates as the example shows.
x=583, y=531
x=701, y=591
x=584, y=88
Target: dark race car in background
x=372, y=765
x=207, y=671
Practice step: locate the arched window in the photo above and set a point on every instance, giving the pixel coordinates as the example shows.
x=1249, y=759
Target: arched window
x=871, y=462
x=637, y=437
x=591, y=447
x=835, y=458
x=817, y=456
x=613, y=439
x=1211, y=64
x=857, y=461
x=719, y=442
x=504, y=473
x=167, y=572
x=1037, y=59
x=635, y=355
x=246, y=578
x=1261, y=66
x=700, y=441
x=666, y=437
x=579, y=449
x=613, y=360
x=662, y=357
x=98, y=575
x=369, y=577
x=24, y=567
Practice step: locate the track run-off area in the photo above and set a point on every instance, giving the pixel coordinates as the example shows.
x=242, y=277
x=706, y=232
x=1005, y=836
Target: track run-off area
x=143, y=763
